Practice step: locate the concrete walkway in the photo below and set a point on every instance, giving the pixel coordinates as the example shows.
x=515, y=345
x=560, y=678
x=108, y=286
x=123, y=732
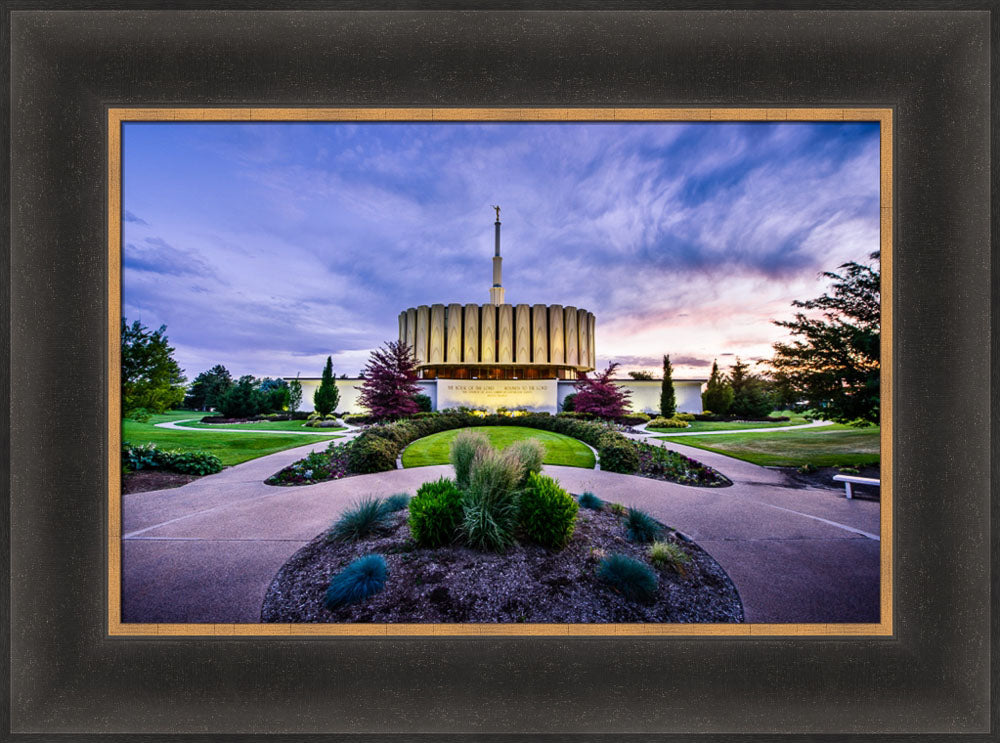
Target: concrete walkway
x=207, y=551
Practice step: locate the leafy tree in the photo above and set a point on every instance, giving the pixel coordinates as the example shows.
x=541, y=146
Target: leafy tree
x=151, y=379
x=294, y=394
x=833, y=359
x=389, y=385
x=326, y=396
x=718, y=395
x=569, y=403
x=208, y=387
x=750, y=397
x=668, y=401
x=275, y=394
x=641, y=376
x=600, y=396
x=424, y=403
x=244, y=399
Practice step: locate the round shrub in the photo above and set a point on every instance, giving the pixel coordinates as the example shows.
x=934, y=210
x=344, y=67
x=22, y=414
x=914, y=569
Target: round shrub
x=661, y=422
x=396, y=502
x=363, y=518
x=632, y=579
x=192, y=462
x=435, y=513
x=619, y=457
x=547, y=512
x=364, y=577
x=423, y=403
x=640, y=526
x=591, y=501
x=372, y=454
x=684, y=416
x=633, y=419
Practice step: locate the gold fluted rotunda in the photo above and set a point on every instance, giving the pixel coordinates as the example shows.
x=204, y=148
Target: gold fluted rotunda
x=499, y=340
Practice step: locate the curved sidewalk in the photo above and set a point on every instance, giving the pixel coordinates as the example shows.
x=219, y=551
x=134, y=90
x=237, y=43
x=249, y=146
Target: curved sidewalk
x=207, y=551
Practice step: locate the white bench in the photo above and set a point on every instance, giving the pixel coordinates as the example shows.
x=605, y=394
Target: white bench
x=848, y=480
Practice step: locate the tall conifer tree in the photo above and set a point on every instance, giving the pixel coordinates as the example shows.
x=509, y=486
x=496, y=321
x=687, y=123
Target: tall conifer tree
x=668, y=401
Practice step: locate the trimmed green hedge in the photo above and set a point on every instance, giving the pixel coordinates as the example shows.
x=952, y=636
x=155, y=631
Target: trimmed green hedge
x=376, y=449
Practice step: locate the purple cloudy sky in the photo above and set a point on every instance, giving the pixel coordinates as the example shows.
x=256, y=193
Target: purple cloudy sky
x=266, y=247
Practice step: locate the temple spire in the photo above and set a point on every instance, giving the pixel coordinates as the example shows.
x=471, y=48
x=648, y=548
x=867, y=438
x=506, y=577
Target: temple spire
x=496, y=291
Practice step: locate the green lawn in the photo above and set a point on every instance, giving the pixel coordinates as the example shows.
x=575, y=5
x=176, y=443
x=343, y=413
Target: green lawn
x=559, y=449
x=231, y=448
x=261, y=426
x=695, y=426
x=829, y=446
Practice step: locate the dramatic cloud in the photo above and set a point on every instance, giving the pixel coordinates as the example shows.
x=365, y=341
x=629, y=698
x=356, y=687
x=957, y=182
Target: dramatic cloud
x=276, y=245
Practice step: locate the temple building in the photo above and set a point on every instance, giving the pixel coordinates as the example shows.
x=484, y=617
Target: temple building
x=499, y=340
x=505, y=355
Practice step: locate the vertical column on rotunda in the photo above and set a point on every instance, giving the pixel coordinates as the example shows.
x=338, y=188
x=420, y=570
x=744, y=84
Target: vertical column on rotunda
x=436, y=353
x=571, y=326
x=539, y=335
x=453, y=347
x=488, y=327
x=423, y=333
x=505, y=334
x=522, y=334
x=470, y=346
x=557, y=340
x=583, y=338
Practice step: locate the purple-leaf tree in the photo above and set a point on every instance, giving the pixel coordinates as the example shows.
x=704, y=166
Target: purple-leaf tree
x=390, y=382
x=600, y=396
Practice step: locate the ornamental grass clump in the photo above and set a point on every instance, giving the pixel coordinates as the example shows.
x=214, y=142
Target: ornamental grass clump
x=364, y=517
x=591, y=501
x=632, y=579
x=463, y=451
x=640, y=526
x=490, y=504
x=396, y=502
x=668, y=555
x=547, y=512
x=364, y=577
x=529, y=453
x=436, y=513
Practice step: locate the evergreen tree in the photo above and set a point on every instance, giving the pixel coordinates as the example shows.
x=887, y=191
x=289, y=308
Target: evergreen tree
x=641, y=376
x=389, y=385
x=600, y=396
x=750, y=398
x=718, y=395
x=150, y=377
x=833, y=361
x=244, y=399
x=208, y=387
x=668, y=401
x=294, y=394
x=275, y=394
x=326, y=396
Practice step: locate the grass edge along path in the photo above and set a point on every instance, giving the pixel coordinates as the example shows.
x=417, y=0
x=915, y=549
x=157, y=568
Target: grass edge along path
x=232, y=447
x=829, y=446
x=559, y=449
x=257, y=426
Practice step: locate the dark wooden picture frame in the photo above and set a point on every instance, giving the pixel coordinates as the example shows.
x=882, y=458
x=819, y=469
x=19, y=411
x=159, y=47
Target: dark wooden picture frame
x=68, y=65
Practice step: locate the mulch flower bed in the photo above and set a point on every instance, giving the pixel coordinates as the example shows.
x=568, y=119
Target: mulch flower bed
x=659, y=463
x=527, y=584
x=145, y=480
x=317, y=466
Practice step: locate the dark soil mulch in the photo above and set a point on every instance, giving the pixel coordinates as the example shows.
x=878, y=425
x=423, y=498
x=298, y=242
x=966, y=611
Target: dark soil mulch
x=527, y=584
x=823, y=478
x=145, y=480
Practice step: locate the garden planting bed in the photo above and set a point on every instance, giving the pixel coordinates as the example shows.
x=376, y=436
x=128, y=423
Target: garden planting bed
x=528, y=583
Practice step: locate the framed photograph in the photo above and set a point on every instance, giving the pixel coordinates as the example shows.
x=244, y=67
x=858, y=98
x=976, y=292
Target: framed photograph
x=400, y=378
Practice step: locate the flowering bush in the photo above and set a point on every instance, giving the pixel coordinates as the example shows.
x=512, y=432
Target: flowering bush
x=317, y=466
x=663, y=464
